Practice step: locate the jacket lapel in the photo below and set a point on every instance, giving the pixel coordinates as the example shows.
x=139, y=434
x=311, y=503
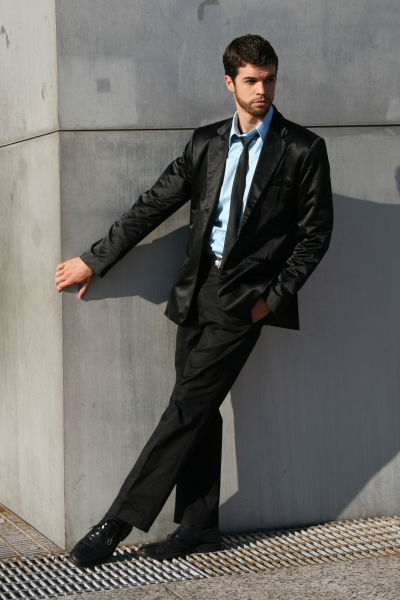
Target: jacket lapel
x=217, y=154
x=271, y=153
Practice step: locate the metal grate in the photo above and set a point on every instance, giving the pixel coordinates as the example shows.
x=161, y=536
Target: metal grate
x=17, y=538
x=49, y=576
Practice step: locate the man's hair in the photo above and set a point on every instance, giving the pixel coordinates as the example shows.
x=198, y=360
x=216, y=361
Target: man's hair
x=248, y=49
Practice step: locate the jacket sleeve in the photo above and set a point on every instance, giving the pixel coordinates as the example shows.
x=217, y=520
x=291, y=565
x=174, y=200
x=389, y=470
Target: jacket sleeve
x=171, y=191
x=314, y=228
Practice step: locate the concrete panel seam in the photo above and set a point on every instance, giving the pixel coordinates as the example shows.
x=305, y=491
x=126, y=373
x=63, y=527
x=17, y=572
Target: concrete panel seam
x=57, y=72
x=33, y=137
x=385, y=125
x=308, y=126
x=116, y=129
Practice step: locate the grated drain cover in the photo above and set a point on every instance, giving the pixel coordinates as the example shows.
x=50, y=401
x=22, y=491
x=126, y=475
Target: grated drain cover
x=53, y=575
x=17, y=538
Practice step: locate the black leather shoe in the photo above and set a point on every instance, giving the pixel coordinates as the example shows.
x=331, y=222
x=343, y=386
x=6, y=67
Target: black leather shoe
x=100, y=543
x=184, y=540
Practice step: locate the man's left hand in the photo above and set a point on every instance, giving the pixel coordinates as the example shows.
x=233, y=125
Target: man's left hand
x=260, y=310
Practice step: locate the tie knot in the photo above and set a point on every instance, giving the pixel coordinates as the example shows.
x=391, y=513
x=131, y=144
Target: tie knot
x=246, y=143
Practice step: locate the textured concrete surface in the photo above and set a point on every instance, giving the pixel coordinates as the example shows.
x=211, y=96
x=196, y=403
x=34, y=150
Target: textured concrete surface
x=147, y=64
x=28, y=69
x=316, y=412
x=118, y=346
x=374, y=579
x=311, y=426
x=31, y=412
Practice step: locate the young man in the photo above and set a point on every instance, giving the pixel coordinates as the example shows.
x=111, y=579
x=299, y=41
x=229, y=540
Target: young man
x=260, y=222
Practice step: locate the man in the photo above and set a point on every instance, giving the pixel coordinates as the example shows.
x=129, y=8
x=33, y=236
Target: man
x=260, y=222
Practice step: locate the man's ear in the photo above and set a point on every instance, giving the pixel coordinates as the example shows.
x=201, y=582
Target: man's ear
x=229, y=83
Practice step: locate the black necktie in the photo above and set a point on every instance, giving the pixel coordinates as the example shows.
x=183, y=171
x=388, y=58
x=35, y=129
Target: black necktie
x=238, y=188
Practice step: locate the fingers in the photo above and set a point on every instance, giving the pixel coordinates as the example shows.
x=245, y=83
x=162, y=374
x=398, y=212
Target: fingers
x=259, y=310
x=64, y=278
x=83, y=291
x=61, y=280
x=71, y=272
x=60, y=276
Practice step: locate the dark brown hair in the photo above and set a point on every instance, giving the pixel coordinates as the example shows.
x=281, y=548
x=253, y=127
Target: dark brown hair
x=248, y=49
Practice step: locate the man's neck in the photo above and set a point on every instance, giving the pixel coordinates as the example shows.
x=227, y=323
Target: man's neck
x=247, y=122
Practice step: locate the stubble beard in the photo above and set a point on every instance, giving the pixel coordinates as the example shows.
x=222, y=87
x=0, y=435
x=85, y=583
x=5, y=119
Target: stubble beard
x=254, y=111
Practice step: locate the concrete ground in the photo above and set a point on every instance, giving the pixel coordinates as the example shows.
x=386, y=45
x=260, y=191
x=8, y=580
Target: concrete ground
x=377, y=579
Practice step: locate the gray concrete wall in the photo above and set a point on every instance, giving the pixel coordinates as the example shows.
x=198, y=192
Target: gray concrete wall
x=319, y=440
x=31, y=411
x=28, y=69
x=31, y=407
x=118, y=346
x=158, y=64
x=311, y=426
x=315, y=414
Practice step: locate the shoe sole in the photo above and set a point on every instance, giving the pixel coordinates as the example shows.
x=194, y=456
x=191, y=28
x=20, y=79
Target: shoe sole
x=197, y=550
x=99, y=561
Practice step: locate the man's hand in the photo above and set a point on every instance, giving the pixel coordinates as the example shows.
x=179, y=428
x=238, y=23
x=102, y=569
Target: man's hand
x=260, y=310
x=74, y=271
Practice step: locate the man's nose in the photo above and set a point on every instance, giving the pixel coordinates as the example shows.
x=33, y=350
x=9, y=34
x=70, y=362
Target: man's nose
x=260, y=88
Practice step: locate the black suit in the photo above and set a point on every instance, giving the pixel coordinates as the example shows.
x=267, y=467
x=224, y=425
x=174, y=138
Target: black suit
x=285, y=232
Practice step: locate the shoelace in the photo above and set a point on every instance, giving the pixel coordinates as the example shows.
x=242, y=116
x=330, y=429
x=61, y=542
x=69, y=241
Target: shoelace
x=103, y=526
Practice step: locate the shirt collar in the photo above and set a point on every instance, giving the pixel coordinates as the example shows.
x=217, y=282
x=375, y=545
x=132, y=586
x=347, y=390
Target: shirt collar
x=262, y=127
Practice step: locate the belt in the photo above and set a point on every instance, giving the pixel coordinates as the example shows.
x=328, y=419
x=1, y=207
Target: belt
x=214, y=261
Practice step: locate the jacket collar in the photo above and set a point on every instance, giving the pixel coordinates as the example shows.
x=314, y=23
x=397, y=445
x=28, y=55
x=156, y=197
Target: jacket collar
x=278, y=123
x=218, y=148
x=272, y=151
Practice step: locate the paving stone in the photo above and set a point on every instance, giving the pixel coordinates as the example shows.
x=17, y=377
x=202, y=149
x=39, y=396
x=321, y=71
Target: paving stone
x=377, y=578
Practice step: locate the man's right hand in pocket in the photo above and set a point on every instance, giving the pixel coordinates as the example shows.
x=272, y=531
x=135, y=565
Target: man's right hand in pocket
x=71, y=272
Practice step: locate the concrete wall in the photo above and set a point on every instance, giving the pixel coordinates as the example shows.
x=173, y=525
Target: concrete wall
x=315, y=414
x=158, y=64
x=118, y=346
x=311, y=427
x=31, y=408
x=31, y=411
x=28, y=69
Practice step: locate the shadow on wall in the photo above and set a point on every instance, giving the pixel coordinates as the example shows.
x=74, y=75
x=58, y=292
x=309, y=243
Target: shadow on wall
x=316, y=412
x=148, y=271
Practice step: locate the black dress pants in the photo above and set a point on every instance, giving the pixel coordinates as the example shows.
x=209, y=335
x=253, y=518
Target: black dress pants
x=185, y=448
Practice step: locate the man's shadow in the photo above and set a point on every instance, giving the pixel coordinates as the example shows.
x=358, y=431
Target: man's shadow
x=147, y=271
x=316, y=413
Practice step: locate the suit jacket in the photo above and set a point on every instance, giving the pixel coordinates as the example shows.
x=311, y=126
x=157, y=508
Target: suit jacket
x=285, y=231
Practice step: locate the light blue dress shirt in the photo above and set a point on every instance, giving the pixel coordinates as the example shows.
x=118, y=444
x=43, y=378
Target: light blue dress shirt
x=217, y=239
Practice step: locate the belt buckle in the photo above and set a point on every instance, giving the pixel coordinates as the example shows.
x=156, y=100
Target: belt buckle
x=217, y=262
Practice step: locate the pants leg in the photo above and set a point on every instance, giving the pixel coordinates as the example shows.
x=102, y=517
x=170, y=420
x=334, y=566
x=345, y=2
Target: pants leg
x=198, y=488
x=209, y=373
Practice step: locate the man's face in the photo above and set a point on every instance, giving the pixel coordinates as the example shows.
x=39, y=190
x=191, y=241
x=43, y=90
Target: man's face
x=254, y=88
